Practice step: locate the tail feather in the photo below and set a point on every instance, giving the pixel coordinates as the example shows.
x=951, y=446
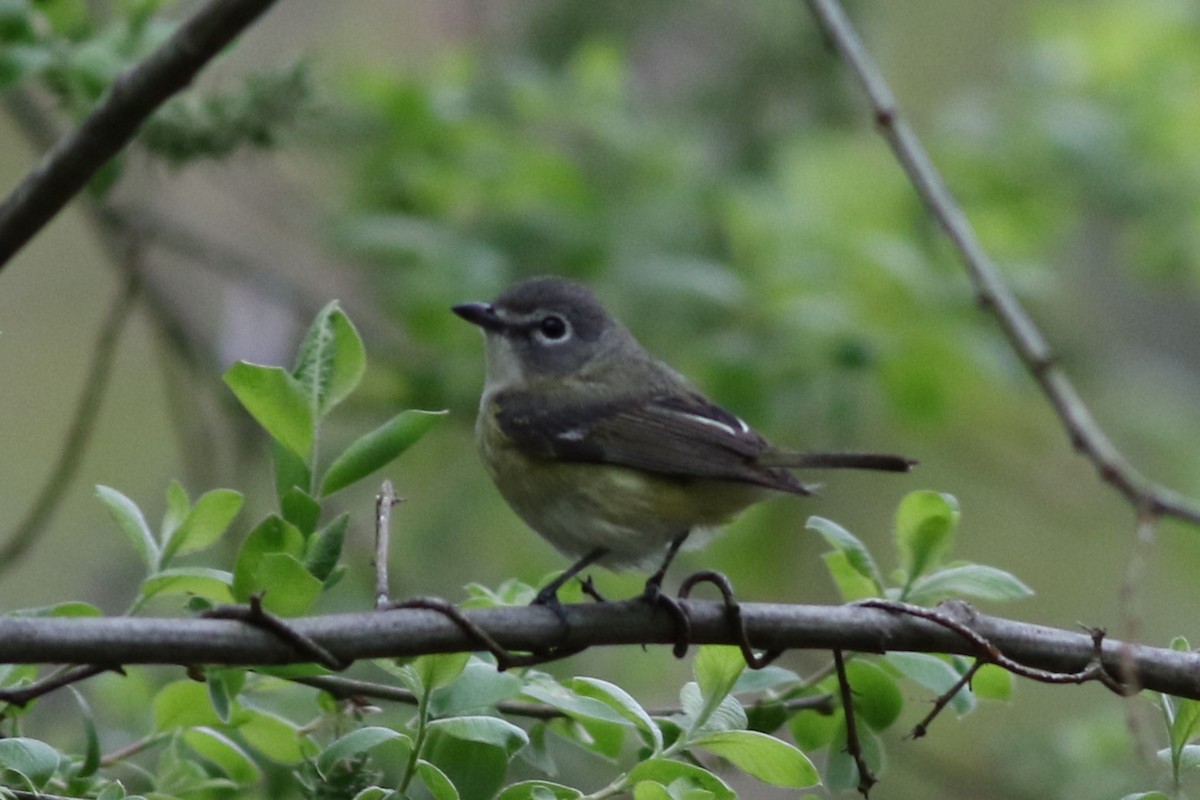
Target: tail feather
x=882, y=462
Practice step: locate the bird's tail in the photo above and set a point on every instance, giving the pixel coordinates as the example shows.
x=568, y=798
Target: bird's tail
x=882, y=462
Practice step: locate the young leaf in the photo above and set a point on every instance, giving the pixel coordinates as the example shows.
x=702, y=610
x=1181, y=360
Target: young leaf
x=33, y=760
x=275, y=737
x=858, y=557
x=291, y=472
x=129, y=519
x=183, y=704
x=623, y=703
x=436, y=781
x=481, y=686
x=298, y=508
x=573, y=705
x=717, y=668
x=484, y=730
x=439, y=669
x=91, y=759
x=761, y=756
x=289, y=589
x=375, y=449
x=277, y=402
x=211, y=584
x=272, y=535
x=925, y=525
x=355, y=743
x=204, y=524
x=228, y=755
x=976, y=581
x=331, y=360
x=539, y=790
x=666, y=771
x=992, y=683
x=851, y=584
x=178, y=506
x=325, y=548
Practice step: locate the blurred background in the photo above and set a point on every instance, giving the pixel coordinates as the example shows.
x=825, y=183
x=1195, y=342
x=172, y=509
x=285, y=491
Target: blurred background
x=710, y=170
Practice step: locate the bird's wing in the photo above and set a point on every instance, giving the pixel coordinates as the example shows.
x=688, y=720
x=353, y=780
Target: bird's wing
x=682, y=435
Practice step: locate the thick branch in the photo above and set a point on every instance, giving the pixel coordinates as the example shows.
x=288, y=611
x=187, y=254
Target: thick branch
x=992, y=292
x=408, y=632
x=112, y=124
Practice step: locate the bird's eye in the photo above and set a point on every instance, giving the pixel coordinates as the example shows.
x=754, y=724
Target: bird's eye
x=553, y=328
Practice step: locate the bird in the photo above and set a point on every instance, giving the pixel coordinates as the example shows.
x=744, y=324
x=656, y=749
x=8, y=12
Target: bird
x=608, y=453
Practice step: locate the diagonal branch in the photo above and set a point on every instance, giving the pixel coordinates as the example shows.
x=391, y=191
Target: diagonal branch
x=112, y=124
x=992, y=293
x=414, y=631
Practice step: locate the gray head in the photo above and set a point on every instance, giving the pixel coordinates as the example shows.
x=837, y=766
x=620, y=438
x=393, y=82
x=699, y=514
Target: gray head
x=543, y=327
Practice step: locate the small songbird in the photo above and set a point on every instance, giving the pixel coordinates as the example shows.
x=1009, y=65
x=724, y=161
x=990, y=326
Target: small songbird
x=608, y=453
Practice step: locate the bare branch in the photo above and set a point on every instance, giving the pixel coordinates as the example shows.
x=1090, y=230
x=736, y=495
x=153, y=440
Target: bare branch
x=991, y=291
x=113, y=123
x=414, y=631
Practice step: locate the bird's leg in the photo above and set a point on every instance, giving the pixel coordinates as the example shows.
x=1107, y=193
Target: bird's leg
x=548, y=596
x=653, y=594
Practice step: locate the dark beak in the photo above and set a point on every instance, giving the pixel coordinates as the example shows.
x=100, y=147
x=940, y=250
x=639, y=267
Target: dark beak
x=481, y=314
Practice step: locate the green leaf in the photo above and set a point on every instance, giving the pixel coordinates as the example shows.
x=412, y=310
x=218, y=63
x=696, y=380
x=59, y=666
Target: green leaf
x=925, y=525
x=934, y=674
x=299, y=509
x=204, y=524
x=211, y=584
x=272, y=535
x=767, y=679
x=1147, y=796
x=224, y=685
x=289, y=589
x=992, y=683
x=702, y=713
x=439, y=669
x=666, y=772
x=355, y=743
x=70, y=608
x=129, y=519
x=178, y=506
x=573, y=705
x=850, y=583
x=813, y=730
x=325, y=548
x=976, y=581
x=277, y=402
x=717, y=668
x=877, y=699
x=34, y=761
x=856, y=554
x=1185, y=724
x=436, y=782
x=480, y=686
x=183, y=704
x=291, y=472
x=761, y=756
x=331, y=360
x=233, y=761
x=539, y=790
x=484, y=730
x=91, y=758
x=275, y=737
x=623, y=703
x=377, y=448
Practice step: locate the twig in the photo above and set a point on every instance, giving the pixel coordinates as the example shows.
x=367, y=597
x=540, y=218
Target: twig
x=866, y=778
x=255, y=615
x=991, y=292
x=112, y=124
x=943, y=699
x=343, y=687
x=384, y=502
x=56, y=680
x=734, y=612
x=83, y=423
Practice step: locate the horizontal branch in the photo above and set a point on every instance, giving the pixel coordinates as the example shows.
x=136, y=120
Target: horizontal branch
x=411, y=632
x=134, y=96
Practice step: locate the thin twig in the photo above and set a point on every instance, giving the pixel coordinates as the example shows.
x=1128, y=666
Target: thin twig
x=385, y=501
x=866, y=778
x=943, y=699
x=133, y=96
x=79, y=435
x=991, y=292
x=56, y=680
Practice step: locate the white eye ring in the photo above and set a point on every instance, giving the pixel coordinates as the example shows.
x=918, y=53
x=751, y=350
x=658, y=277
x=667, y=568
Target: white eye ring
x=552, y=329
